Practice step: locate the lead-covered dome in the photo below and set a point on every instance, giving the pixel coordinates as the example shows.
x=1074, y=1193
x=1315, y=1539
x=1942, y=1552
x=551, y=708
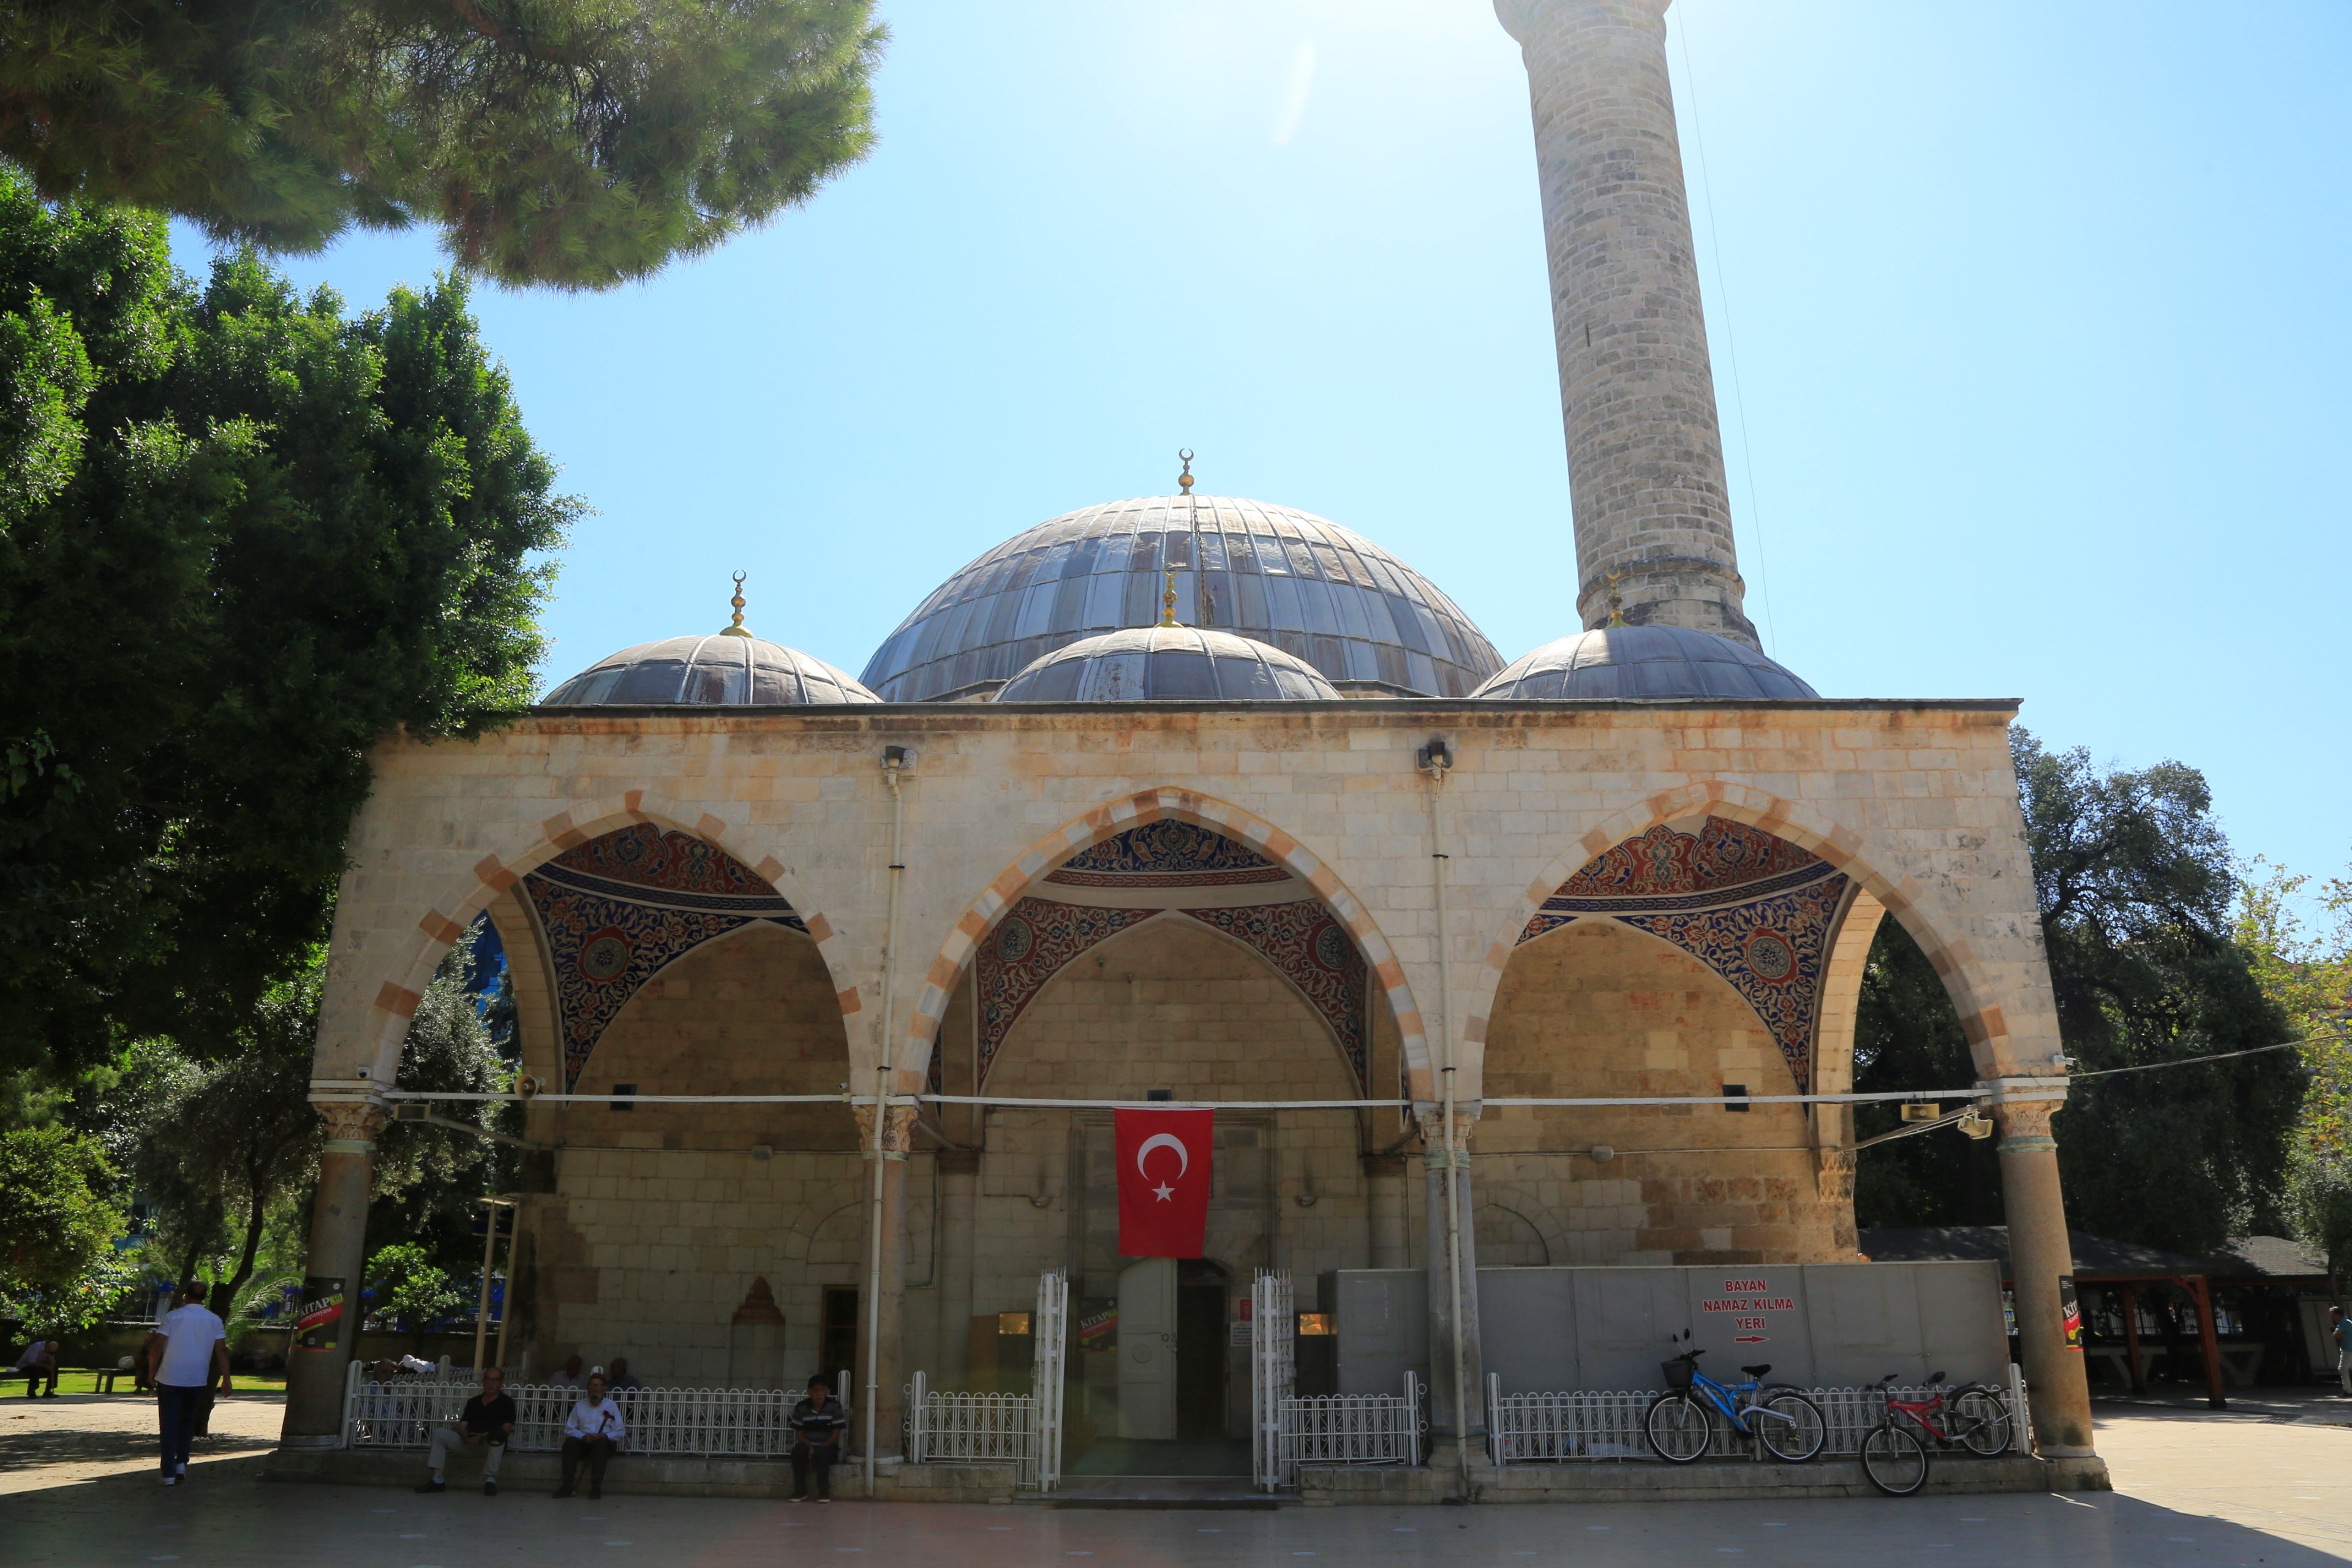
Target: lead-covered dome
x=1167, y=664
x=1368, y=622
x=1645, y=661
x=731, y=668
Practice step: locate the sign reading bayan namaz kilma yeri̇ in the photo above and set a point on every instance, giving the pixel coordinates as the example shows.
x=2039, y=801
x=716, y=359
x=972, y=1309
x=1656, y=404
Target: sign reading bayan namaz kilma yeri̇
x=1750, y=1302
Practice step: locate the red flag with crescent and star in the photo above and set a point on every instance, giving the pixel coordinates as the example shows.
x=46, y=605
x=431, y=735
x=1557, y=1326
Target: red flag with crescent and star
x=1163, y=1182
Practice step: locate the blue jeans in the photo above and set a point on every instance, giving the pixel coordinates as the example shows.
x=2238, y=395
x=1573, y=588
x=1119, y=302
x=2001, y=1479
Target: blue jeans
x=177, y=1409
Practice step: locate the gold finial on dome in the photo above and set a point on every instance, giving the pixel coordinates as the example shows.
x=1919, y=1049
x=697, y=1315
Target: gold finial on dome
x=1184, y=479
x=1167, y=600
x=735, y=630
x=1616, y=600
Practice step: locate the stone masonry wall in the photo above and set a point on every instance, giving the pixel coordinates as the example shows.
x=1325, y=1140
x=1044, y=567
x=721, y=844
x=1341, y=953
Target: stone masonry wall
x=1597, y=1009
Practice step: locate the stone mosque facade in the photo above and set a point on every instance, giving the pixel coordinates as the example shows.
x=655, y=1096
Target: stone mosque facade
x=1204, y=798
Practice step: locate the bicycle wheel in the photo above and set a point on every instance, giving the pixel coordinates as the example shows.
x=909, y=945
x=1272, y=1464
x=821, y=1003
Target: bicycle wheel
x=1800, y=1432
x=1678, y=1427
x=1895, y=1461
x=1983, y=1421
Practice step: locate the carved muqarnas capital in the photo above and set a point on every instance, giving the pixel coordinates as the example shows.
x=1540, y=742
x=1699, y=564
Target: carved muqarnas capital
x=2025, y=1123
x=1835, y=1173
x=350, y=1121
x=897, y=1129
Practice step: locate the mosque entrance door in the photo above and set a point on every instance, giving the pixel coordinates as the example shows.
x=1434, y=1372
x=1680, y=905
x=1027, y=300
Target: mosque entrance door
x=1147, y=1356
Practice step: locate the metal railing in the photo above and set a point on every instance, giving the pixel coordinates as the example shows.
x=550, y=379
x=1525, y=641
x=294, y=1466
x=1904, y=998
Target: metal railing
x=1538, y=1428
x=946, y=1428
x=1349, y=1429
x=1273, y=1373
x=711, y=1422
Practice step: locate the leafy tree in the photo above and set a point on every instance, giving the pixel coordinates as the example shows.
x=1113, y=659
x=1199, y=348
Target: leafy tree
x=57, y=1219
x=576, y=142
x=250, y=535
x=2309, y=976
x=2134, y=883
x=407, y=1286
x=223, y=1146
x=427, y=1176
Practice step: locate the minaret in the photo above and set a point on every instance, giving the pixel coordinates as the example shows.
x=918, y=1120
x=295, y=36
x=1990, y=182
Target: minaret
x=1644, y=450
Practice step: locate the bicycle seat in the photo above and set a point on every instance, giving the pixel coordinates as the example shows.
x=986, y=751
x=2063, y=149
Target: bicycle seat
x=1757, y=1371
x=1935, y=1380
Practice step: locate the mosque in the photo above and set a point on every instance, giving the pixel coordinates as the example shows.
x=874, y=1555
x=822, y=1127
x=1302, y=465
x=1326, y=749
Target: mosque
x=1194, y=798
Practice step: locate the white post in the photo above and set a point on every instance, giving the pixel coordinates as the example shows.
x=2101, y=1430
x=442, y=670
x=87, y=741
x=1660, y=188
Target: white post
x=915, y=1403
x=1495, y=1449
x=482, y=1306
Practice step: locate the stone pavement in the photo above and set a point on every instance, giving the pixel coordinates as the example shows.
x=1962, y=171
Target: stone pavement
x=81, y=1437
x=2270, y=1486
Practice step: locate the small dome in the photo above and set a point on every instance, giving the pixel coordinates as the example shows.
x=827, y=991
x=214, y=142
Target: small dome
x=1644, y=661
x=1167, y=664
x=723, y=668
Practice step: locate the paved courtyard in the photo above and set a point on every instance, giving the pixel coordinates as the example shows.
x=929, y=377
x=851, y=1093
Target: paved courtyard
x=2270, y=1483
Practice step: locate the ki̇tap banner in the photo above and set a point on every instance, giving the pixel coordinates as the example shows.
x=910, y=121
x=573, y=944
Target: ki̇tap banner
x=318, y=1323
x=1163, y=1182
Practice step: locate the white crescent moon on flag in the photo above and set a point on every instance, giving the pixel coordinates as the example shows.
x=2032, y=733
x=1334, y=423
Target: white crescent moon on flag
x=1163, y=1140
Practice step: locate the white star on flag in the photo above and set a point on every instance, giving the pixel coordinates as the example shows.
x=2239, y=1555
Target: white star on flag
x=1164, y=1193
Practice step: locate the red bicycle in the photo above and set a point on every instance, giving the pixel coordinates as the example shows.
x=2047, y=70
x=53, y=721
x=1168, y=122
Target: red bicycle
x=1894, y=1453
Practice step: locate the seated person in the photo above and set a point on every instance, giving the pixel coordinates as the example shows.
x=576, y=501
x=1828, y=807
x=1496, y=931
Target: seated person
x=569, y=1377
x=486, y=1423
x=592, y=1432
x=386, y=1371
x=619, y=1381
x=39, y=1361
x=816, y=1423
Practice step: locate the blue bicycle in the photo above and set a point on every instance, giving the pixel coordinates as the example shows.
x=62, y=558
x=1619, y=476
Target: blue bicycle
x=1681, y=1421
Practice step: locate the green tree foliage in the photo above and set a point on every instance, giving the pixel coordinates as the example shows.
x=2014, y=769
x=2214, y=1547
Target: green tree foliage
x=223, y=1146
x=57, y=1219
x=2134, y=883
x=2309, y=975
x=426, y=1176
x=1907, y=1036
x=251, y=538
x=407, y=1286
x=575, y=143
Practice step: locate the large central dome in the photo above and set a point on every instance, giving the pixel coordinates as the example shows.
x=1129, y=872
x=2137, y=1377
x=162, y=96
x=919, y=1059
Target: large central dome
x=1371, y=623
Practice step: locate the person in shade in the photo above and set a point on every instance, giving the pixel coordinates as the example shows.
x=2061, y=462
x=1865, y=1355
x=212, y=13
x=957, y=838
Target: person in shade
x=816, y=1423
x=486, y=1423
x=569, y=1377
x=591, y=1432
x=39, y=1361
x=619, y=1381
x=192, y=1350
x=2339, y=1329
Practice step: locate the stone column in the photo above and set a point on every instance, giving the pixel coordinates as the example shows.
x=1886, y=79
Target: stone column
x=1384, y=1204
x=884, y=1404
x=1451, y=1426
x=1644, y=451
x=959, y=1251
x=314, y=1373
x=2039, y=1254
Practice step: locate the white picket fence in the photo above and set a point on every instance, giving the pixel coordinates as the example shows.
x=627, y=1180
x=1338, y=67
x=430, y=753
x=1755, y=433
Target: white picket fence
x=947, y=1428
x=713, y=1423
x=1349, y=1429
x=1538, y=1428
x=1024, y=1430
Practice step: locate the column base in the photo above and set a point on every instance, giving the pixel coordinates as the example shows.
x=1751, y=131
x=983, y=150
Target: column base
x=310, y=1443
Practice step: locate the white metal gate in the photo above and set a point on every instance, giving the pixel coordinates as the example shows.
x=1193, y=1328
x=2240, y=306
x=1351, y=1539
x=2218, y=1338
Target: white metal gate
x=1052, y=1329
x=1274, y=1374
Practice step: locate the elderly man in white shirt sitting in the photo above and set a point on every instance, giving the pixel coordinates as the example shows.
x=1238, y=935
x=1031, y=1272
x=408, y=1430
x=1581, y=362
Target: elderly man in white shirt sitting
x=592, y=1431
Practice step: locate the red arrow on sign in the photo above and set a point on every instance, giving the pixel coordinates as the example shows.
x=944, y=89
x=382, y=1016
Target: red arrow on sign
x=1747, y=1340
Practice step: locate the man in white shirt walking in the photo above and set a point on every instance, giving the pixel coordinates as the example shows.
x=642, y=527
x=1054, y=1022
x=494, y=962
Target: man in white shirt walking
x=592, y=1432
x=191, y=1349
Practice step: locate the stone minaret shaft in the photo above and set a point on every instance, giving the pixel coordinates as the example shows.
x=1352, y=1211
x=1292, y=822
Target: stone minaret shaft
x=1644, y=450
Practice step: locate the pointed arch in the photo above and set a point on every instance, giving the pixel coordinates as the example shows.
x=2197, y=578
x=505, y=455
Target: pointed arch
x=1080, y=833
x=1801, y=824
x=408, y=967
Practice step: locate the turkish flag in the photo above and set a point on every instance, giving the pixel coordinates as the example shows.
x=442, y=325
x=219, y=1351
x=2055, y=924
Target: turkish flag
x=1163, y=1182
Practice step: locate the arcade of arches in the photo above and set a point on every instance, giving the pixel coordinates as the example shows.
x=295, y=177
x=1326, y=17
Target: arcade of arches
x=1167, y=958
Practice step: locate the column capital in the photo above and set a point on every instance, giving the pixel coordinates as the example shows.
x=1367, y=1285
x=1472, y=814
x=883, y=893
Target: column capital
x=2025, y=1125
x=352, y=1124
x=898, y=1130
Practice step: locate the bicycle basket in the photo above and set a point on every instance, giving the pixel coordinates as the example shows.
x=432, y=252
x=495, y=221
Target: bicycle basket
x=1677, y=1374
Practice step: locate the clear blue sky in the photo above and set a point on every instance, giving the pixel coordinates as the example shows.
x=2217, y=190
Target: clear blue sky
x=2038, y=315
